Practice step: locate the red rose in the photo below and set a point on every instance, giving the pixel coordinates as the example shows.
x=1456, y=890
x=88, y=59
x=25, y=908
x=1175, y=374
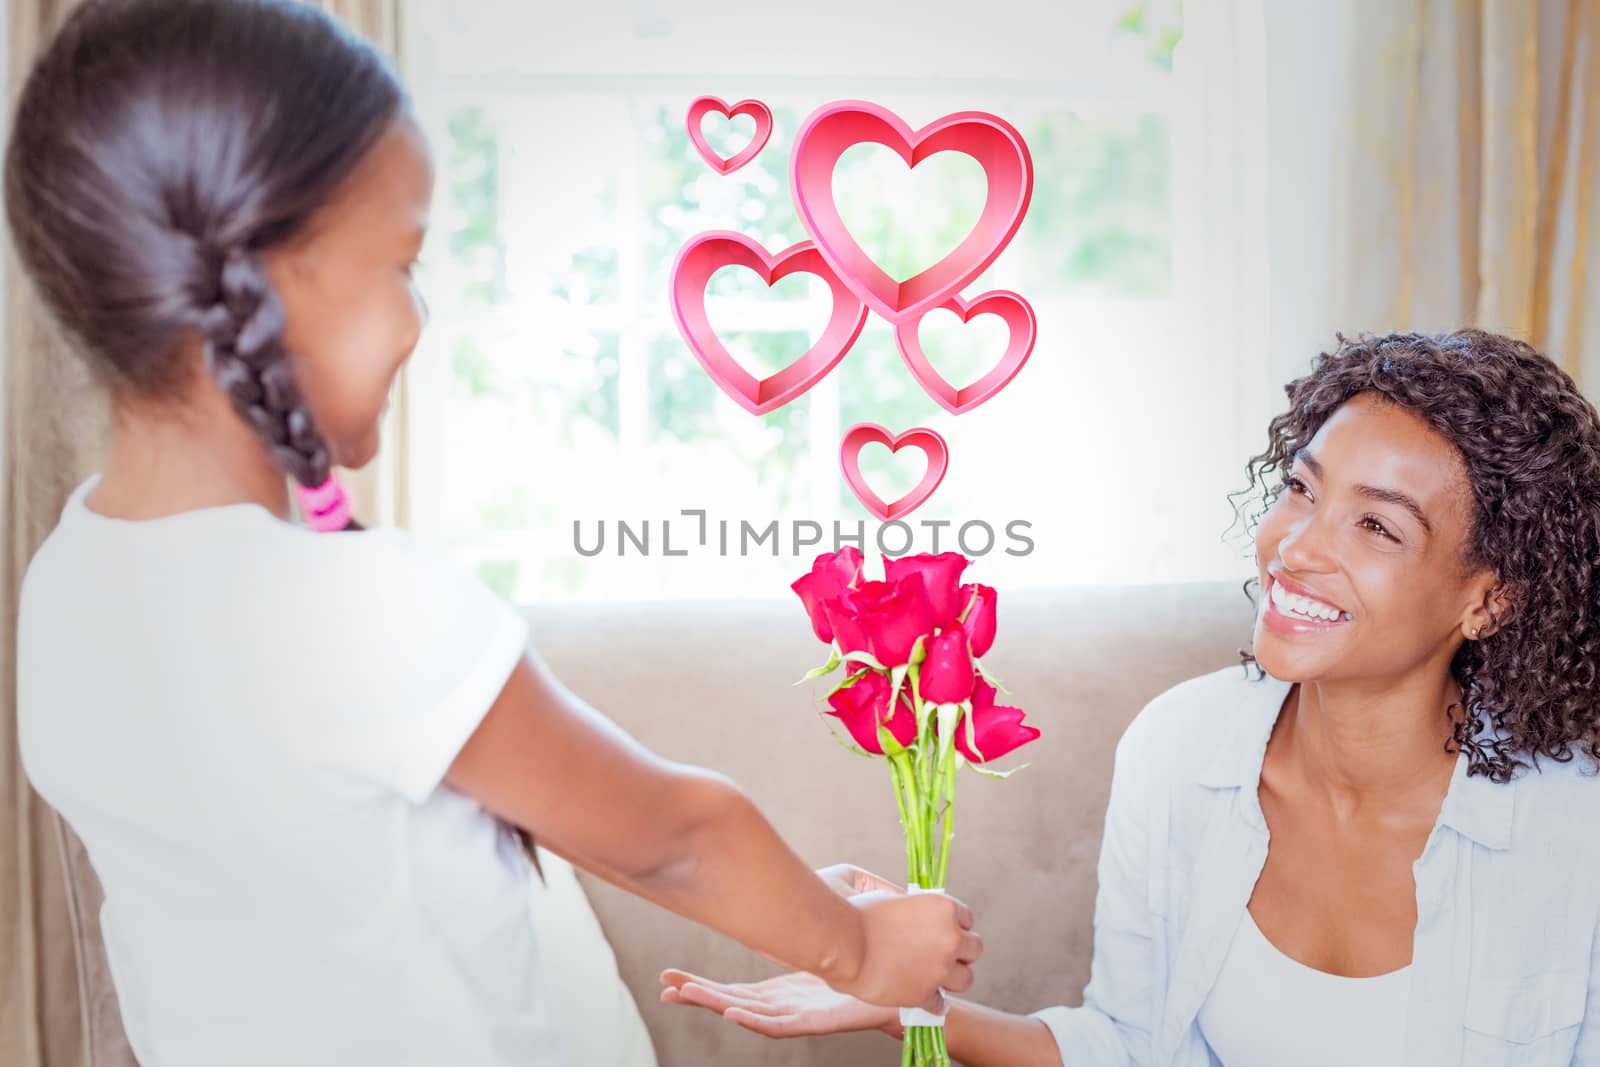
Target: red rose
x=863, y=705
x=980, y=604
x=891, y=616
x=996, y=729
x=946, y=674
x=846, y=627
x=940, y=573
x=831, y=574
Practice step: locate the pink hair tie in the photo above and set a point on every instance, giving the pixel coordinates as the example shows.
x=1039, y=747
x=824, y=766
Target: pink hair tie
x=327, y=507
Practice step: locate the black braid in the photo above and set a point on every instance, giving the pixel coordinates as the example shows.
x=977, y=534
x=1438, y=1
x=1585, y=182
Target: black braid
x=156, y=149
x=244, y=351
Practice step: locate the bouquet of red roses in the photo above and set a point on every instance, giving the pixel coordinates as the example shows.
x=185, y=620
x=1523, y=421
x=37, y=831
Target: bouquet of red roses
x=915, y=692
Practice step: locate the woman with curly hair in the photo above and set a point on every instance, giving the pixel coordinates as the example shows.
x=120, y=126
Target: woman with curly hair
x=1368, y=846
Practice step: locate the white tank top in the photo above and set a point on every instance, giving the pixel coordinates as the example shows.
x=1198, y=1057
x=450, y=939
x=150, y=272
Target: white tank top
x=1267, y=1010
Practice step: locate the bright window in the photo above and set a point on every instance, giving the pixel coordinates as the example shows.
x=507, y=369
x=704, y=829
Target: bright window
x=557, y=403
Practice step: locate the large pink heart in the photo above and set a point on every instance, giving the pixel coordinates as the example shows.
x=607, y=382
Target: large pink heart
x=862, y=434
x=1019, y=319
x=702, y=257
x=993, y=142
x=754, y=108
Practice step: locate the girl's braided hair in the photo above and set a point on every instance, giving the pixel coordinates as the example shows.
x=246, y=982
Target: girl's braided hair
x=159, y=147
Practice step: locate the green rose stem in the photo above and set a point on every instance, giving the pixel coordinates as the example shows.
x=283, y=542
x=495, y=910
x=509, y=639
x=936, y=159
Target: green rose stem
x=925, y=791
x=948, y=776
x=921, y=1046
x=905, y=822
x=931, y=799
x=905, y=795
x=925, y=751
x=949, y=722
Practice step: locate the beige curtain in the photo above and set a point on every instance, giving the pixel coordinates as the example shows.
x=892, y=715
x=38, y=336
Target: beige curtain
x=1474, y=172
x=57, y=1005
x=54, y=423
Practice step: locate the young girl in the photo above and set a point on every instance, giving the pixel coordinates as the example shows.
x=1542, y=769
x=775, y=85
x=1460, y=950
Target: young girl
x=292, y=755
x=1376, y=849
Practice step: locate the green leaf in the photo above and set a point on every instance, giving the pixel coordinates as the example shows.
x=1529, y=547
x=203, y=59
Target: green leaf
x=851, y=745
x=864, y=657
x=972, y=736
x=971, y=600
x=949, y=718
x=849, y=680
x=1001, y=775
x=991, y=679
x=897, y=679
x=827, y=668
x=924, y=714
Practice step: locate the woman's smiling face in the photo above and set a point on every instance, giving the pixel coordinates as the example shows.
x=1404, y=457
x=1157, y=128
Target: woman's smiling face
x=1361, y=555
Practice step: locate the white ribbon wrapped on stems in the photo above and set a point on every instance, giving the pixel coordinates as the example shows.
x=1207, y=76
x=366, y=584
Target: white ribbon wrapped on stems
x=920, y=1016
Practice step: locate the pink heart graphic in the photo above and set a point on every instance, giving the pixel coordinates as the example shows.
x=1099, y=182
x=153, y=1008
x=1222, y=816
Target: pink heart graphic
x=1019, y=319
x=754, y=108
x=702, y=257
x=865, y=433
x=993, y=142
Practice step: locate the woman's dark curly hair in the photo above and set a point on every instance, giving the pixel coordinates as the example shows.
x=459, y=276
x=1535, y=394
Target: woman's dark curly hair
x=1531, y=446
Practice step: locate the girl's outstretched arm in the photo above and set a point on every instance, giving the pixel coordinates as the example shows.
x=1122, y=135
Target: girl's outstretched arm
x=1112, y=1027
x=690, y=840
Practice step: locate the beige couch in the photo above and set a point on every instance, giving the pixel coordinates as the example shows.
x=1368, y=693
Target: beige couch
x=710, y=683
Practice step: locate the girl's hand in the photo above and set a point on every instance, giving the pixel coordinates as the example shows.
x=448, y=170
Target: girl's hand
x=791, y=1005
x=847, y=880
x=896, y=929
x=915, y=946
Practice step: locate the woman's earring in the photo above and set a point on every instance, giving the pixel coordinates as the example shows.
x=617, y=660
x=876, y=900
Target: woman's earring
x=1476, y=631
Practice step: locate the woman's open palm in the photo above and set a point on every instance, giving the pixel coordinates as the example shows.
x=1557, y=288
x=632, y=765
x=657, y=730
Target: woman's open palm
x=791, y=1005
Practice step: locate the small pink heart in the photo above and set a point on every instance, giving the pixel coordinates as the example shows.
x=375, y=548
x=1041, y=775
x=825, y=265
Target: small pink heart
x=1019, y=319
x=754, y=108
x=993, y=142
x=707, y=253
x=862, y=434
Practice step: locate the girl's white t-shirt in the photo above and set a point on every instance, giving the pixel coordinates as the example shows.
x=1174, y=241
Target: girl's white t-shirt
x=247, y=723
